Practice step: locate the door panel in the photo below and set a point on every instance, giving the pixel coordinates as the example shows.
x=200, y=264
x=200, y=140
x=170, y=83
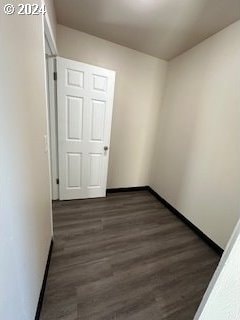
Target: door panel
x=74, y=170
x=75, y=78
x=85, y=101
x=97, y=120
x=74, y=118
x=99, y=83
x=95, y=170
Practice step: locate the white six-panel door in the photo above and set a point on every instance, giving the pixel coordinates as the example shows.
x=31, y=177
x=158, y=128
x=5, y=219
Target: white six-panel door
x=85, y=102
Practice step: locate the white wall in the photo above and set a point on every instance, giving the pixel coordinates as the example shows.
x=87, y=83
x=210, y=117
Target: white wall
x=139, y=84
x=196, y=166
x=221, y=300
x=25, y=207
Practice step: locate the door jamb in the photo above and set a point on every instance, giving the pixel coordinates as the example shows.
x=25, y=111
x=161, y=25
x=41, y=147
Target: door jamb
x=220, y=268
x=49, y=34
x=51, y=105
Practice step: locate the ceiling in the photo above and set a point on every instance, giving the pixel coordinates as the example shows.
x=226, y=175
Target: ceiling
x=161, y=28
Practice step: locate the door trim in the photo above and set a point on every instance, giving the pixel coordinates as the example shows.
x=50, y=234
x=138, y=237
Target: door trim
x=51, y=105
x=53, y=127
x=49, y=34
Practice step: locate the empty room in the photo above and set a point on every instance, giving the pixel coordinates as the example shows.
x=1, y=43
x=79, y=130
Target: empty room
x=120, y=160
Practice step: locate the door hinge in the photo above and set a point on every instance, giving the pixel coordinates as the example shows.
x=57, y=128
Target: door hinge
x=57, y=181
x=55, y=75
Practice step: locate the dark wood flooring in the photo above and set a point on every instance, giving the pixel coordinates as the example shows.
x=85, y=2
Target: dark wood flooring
x=124, y=257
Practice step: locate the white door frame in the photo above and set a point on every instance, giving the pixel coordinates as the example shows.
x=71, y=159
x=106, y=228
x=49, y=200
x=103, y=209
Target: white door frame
x=49, y=34
x=52, y=113
x=217, y=280
x=51, y=104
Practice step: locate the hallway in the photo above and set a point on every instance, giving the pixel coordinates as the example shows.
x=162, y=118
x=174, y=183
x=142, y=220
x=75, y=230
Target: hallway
x=124, y=257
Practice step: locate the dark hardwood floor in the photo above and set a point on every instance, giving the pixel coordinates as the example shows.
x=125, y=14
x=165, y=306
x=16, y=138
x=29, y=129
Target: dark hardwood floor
x=124, y=257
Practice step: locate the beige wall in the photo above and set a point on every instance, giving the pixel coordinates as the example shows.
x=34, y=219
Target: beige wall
x=196, y=166
x=139, y=84
x=25, y=207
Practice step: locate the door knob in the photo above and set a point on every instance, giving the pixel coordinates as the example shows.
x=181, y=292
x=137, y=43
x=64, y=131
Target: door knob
x=105, y=148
